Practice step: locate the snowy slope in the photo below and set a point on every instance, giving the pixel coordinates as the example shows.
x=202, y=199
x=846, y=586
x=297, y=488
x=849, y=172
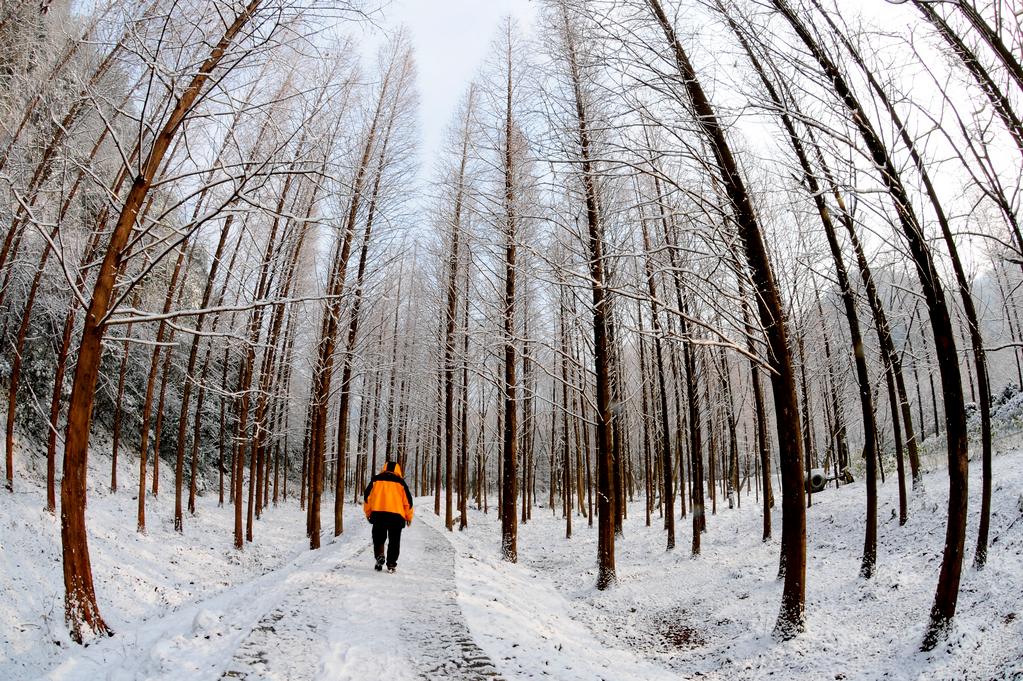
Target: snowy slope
x=137, y=577
x=712, y=617
x=191, y=607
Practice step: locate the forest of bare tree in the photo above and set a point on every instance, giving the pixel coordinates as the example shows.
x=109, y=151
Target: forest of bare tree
x=671, y=258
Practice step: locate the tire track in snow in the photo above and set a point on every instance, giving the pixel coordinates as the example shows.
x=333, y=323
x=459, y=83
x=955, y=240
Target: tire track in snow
x=286, y=640
x=354, y=623
x=447, y=648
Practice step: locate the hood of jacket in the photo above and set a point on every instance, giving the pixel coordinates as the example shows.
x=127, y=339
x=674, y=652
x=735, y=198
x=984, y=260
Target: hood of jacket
x=391, y=468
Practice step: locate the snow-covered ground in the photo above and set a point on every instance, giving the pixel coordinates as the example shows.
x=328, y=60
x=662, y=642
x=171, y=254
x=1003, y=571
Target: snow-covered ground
x=190, y=607
x=712, y=617
x=138, y=578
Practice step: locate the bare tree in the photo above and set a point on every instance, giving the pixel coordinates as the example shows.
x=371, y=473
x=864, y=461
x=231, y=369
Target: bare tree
x=941, y=326
x=80, y=599
x=772, y=319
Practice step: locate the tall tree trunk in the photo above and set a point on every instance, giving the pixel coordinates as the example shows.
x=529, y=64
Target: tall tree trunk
x=193, y=354
x=567, y=473
x=147, y=405
x=663, y=439
x=528, y=419
x=805, y=390
x=759, y=411
x=80, y=607
x=353, y=329
x=463, y=468
x=947, y=591
x=606, y=573
x=509, y=449
x=451, y=312
x=790, y=618
x=645, y=401
x=889, y=355
x=323, y=371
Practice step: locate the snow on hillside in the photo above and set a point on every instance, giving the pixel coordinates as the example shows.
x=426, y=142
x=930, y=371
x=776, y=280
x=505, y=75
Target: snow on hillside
x=712, y=617
x=137, y=577
x=191, y=607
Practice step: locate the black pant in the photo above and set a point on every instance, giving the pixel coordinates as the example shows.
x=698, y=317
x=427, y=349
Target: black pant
x=387, y=527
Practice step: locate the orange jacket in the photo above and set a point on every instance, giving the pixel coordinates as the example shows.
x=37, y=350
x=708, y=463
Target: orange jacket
x=388, y=493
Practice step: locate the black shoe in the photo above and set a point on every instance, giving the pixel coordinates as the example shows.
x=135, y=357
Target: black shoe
x=379, y=564
x=392, y=568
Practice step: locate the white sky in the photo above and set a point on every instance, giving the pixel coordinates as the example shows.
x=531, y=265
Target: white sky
x=451, y=38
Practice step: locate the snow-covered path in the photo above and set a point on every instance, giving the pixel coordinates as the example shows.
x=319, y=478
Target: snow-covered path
x=328, y=615
x=189, y=606
x=351, y=622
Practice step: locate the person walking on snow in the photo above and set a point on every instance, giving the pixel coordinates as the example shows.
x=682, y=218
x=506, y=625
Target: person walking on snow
x=388, y=506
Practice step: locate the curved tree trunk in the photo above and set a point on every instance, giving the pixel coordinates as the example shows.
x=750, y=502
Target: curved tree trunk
x=947, y=591
x=965, y=295
x=848, y=301
x=791, y=618
x=1010, y=61
x=80, y=604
